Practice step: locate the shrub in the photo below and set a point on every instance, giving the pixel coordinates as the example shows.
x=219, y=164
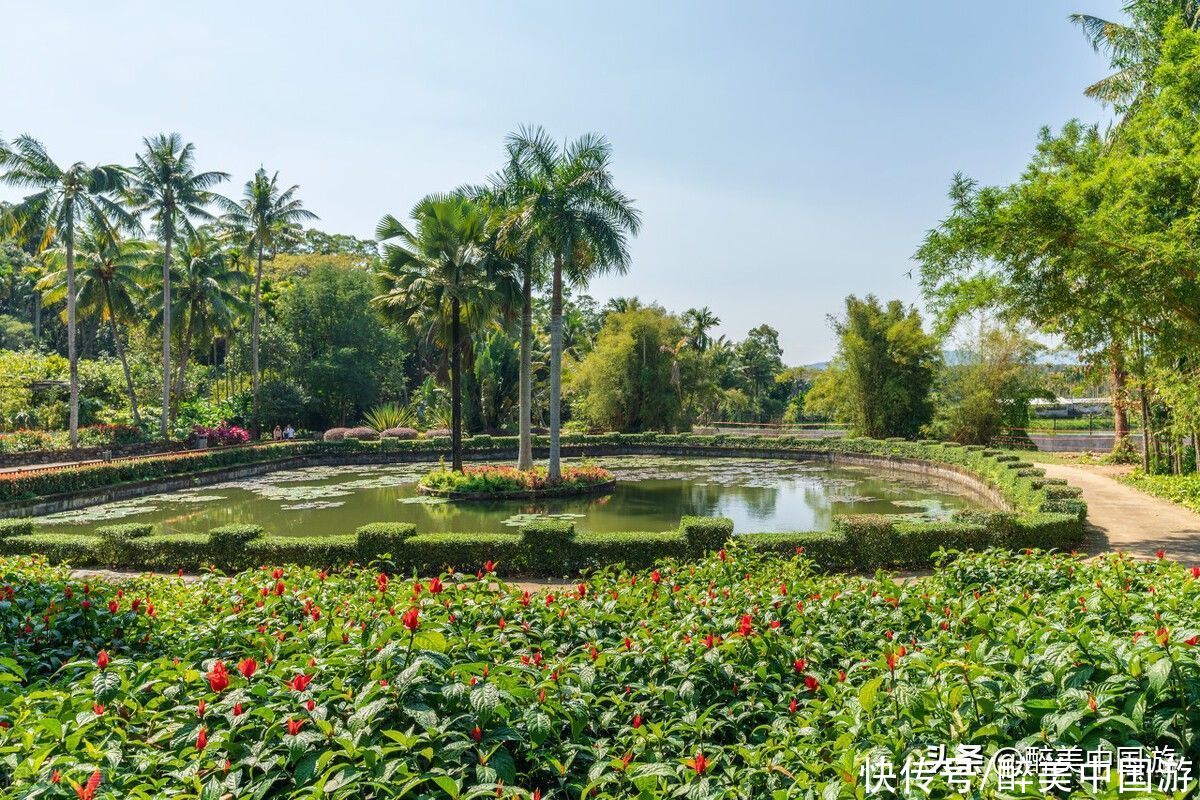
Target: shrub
x=705, y=534
x=868, y=536
x=378, y=538
x=388, y=416
x=437, y=433
x=15, y=527
x=335, y=434
x=222, y=435
x=399, y=433
x=233, y=536
x=363, y=434
x=122, y=533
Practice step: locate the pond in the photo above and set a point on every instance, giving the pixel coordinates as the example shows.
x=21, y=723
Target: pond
x=652, y=493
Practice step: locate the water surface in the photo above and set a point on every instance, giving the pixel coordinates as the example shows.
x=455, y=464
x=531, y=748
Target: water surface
x=652, y=493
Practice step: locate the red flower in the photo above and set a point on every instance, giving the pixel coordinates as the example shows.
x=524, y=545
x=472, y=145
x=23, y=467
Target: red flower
x=113, y=605
x=1192, y=641
x=381, y=582
x=411, y=618
x=656, y=577
x=88, y=790
x=1196, y=572
x=811, y=683
x=218, y=676
x=200, y=708
x=477, y=733
x=891, y=661
x=489, y=566
x=56, y=777
x=238, y=710
x=435, y=586
x=747, y=625
x=247, y=666
x=300, y=682
x=1163, y=636
x=102, y=659
x=97, y=709
x=637, y=721
x=1092, y=702
x=294, y=726
x=202, y=739
x=799, y=664
x=699, y=763
x=792, y=706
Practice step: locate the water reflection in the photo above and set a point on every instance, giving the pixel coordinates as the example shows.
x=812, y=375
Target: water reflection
x=652, y=493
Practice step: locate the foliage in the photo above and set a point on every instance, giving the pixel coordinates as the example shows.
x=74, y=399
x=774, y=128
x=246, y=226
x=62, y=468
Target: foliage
x=1182, y=489
x=389, y=415
x=283, y=680
x=633, y=378
x=881, y=378
x=989, y=390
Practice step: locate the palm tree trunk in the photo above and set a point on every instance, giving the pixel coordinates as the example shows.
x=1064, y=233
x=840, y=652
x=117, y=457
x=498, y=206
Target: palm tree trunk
x=525, y=449
x=1146, y=432
x=254, y=329
x=112, y=321
x=166, y=333
x=555, y=466
x=37, y=316
x=72, y=355
x=455, y=389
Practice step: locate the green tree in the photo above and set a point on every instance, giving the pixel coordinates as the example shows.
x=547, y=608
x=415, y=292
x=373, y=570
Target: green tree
x=62, y=202
x=637, y=375
x=880, y=380
x=167, y=187
x=760, y=360
x=436, y=278
x=265, y=214
x=108, y=288
x=989, y=389
x=576, y=212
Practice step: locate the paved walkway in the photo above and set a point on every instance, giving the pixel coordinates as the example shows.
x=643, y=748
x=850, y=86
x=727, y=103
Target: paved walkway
x=1123, y=518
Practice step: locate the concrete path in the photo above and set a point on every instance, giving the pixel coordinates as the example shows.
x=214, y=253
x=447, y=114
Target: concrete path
x=1123, y=518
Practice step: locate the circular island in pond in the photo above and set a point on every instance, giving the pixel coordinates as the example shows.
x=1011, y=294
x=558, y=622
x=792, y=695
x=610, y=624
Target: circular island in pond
x=509, y=483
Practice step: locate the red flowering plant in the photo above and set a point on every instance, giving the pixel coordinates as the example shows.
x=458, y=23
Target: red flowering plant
x=699, y=679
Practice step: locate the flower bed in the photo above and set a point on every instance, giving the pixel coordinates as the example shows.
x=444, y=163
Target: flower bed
x=491, y=482
x=1181, y=489
x=739, y=676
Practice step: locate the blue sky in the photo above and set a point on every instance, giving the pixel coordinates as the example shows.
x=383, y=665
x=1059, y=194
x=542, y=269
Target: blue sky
x=783, y=154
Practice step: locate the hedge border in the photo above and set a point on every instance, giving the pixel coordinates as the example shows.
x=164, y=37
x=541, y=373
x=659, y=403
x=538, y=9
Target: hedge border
x=1045, y=514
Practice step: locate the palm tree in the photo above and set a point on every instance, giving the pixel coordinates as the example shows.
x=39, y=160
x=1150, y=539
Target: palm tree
x=698, y=322
x=268, y=216
x=63, y=200
x=1133, y=49
x=437, y=278
x=107, y=287
x=573, y=208
x=167, y=187
x=517, y=242
x=206, y=296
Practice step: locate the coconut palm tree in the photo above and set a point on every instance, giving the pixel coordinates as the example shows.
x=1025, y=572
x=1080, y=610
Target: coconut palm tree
x=206, y=296
x=63, y=200
x=107, y=287
x=698, y=322
x=436, y=278
x=268, y=216
x=167, y=187
x=572, y=207
x=1133, y=49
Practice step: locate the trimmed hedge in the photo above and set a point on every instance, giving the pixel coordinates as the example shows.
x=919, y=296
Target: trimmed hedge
x=15, y=527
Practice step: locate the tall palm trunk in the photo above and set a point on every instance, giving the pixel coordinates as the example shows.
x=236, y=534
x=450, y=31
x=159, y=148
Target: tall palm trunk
x=254, y=330
x=72, y=355
x=455, y=388
x=525, y=448
x=112, y=321
x=555, y=466
x=168, y=235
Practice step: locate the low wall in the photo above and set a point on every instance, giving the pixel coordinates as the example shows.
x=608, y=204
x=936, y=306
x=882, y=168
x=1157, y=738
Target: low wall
x=960, y=477
x=36, y=457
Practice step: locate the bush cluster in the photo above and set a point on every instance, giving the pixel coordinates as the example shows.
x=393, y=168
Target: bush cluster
x=490, y=479
x=741, y=675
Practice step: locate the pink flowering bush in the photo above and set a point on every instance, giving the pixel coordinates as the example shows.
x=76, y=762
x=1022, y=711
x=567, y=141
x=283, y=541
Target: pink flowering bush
x=221, y=435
